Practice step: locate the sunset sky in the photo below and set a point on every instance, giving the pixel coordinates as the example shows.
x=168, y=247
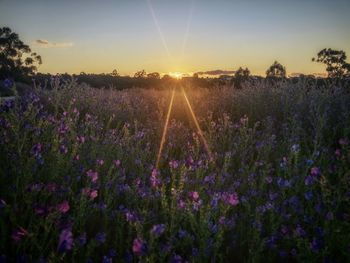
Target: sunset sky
x=178, y=35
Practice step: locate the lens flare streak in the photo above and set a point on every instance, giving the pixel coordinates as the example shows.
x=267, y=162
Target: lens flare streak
x=199, y=130
x=165, y=129
x=155, y=20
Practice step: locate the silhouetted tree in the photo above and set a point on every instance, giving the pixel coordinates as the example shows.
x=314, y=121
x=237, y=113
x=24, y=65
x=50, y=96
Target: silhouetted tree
x=140, y=74
x=195, y=75
x=241, y=75
x=276, y=70
x=16, y=58
x=335, y=62
x=153, y=75
x=115, y=73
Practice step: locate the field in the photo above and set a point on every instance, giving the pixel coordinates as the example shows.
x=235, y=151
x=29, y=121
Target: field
x=266, y=177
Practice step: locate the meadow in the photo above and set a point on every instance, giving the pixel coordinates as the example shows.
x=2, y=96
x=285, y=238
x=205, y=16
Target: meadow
x=79, y=181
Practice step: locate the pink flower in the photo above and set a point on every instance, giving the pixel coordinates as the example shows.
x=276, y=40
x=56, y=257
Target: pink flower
x=51, y=187
x=181, y=204
x=117, y=163
x=63, y=207
x=93, y=194
x=337, y=152
x=92, y=175
x=174, y=164
x=139, y=247
x=343, y=142
x=100, y=162
x=315, y=171
x=231, y=199
x=18, y=234
x=194, y=195
x=90, y=193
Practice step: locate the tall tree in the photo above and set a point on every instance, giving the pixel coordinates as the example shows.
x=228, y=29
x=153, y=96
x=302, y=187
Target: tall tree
x=241, y=75
x=276, y=70
x=334, y=60
x=140, y=74
x=16, y=58
x=153, y=75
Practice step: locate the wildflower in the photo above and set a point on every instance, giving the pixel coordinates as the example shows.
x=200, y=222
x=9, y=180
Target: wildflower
x=117, y=163
x=343, y=141
x=295, y=148
x=337, y=152
x=81, y=139
x=176, y=259
x=65, y=242
x=100, y=237
x=309, y=162
x=63, y=149
x=139, y=247
x=194, y=195
x=315, y=171
x=181, y=204
x=100, y=162
x=309, y=180
x=174, y=164
x=155, y=182
x=2, y=204
x=8, y=83
x=81, y=240
x=90, y=193
x=130, y=216
x=308, y=195
x=18, y=234
x=63, y=207
x=36, y=149
x=93, y=194
x=157, y=230
x=107, y=259
x=231, y=199
x=92, y=175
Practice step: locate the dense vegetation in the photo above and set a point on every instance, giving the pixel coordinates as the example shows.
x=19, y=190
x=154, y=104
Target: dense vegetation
x=78, y=177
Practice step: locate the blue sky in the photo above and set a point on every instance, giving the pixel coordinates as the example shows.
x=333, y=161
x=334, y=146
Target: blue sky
x=181, y=35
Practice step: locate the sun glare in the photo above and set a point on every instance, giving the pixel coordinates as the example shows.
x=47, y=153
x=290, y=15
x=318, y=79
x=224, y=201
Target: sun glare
x=176, y=75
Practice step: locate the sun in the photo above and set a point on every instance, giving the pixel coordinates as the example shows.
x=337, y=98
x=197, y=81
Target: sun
x=176, y=75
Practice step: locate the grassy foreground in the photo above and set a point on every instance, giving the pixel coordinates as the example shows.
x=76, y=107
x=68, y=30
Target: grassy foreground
x=78, y=181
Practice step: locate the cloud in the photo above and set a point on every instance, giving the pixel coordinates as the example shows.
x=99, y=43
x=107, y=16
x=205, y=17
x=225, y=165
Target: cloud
x=48, y=44
x=216, y=72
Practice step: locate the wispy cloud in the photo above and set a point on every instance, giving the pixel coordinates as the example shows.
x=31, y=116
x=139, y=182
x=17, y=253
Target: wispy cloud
x=216, y=72
x=47, y=44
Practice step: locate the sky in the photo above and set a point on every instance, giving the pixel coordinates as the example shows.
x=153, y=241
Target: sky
x=178, y=35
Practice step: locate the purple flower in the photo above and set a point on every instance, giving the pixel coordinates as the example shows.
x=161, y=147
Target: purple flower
x=308, y=195
x=155, y=182
x=315, y=171
x=139, y=247
x=309, y=180
x=63, y=149
x=193, y=195
x=18, y=234
x=65, y=242
x=92, y=175
x=176, y=259
x=157, y=230
x=174, y=164
x=8, y=83
x=100, y=237
x=81, y=240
